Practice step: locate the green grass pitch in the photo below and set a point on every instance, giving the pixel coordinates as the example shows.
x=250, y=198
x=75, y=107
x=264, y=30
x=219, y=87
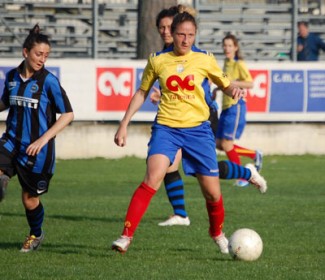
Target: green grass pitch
x=88, y=199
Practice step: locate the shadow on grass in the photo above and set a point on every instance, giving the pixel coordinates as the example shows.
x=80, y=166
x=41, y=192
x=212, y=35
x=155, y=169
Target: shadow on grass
x=70, y=217
x=61, y=249
x=10, y=245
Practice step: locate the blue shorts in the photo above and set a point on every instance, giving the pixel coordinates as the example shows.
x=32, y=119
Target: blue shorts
x=197, y=143
x=232, y=122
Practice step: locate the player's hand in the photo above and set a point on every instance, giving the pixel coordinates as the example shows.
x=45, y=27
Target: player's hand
x=34, y=148
x=155, y=95
x=239, y=93
x=120, y=136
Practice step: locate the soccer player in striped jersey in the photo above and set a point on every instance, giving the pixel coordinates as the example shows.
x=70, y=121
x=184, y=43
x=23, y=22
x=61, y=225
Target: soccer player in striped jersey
x=182, y=123
x=174, y=184
x=33, y=96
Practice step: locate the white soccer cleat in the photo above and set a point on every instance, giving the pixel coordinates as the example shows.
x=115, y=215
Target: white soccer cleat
x=122, y=244
x=256, y=179
x=176, y=221
x=222, y=243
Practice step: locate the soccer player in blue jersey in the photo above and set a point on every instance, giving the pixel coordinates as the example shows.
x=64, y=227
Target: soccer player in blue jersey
x=27, y=148
x=181, y=123
x=174, y=184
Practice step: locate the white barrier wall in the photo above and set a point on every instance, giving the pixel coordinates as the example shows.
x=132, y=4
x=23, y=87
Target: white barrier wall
x=100, y=90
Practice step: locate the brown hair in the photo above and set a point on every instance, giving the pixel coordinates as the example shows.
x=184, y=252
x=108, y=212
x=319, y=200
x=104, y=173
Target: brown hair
x=232, y=37
x=182, y=17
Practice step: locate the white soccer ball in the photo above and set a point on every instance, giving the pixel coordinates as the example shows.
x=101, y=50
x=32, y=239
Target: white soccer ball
x=245, y=244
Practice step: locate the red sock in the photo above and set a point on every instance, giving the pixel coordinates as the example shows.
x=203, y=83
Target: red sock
x=138, y=206
x=233, y=156
x=216, y=214
x=245, y=152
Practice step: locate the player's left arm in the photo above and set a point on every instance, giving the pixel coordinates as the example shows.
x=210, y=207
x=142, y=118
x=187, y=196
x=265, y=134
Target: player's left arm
x=34, y=148
x=245, y=79
x=219, y=78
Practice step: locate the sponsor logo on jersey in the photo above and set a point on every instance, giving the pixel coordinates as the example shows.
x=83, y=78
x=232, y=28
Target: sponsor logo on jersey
x=174, y=83
x=23, y=102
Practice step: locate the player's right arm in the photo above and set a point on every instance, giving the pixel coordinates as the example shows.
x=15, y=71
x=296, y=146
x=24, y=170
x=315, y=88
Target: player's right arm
x=135, y=104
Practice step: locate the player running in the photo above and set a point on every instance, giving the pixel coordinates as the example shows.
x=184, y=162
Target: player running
x=27, y=148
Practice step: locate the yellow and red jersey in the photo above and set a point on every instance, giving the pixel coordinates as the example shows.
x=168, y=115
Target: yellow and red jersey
x=183, y=80
x=236, y=70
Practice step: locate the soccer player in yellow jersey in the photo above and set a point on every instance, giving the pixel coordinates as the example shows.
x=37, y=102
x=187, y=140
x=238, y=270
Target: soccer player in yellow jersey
x=182, y=123
x=233, y=116
x=173, y=182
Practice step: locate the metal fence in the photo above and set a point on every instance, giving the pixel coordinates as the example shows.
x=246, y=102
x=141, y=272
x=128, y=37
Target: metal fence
x=108, y=28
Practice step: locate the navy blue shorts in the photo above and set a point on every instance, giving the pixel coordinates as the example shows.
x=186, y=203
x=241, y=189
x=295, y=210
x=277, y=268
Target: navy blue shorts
x=34, y=183
x=197, y=143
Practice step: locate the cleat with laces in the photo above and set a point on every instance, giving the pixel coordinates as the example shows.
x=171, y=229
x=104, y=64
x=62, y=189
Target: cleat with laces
x=32, y=243
x=258, y=160
x=256, y=179
x=4, y=179
x=222, y=243
x=122, y=244
x=176, y=221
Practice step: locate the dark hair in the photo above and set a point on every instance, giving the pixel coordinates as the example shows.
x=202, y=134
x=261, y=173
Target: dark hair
x=182, y=17
x=170, y=12
x=305, y=23
x=232, y=37
x=35, y=37
x=173, y=11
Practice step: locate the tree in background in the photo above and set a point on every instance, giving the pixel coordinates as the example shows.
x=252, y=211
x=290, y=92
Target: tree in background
x=148, y=39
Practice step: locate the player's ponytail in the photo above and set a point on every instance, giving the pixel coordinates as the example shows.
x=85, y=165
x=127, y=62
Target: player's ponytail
x=35, y=37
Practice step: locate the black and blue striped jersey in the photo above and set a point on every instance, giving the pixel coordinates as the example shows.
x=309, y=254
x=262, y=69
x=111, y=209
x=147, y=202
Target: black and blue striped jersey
x=33, y=105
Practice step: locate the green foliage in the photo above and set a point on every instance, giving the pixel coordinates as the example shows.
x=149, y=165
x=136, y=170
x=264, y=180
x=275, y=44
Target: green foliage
x=88, y=199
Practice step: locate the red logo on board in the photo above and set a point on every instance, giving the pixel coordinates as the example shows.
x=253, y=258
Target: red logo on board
x=114, y=88
x=257, y=96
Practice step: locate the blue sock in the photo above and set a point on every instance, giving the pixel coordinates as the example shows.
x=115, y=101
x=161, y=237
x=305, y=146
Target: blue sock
x=35, y=219
x=175, y=191
x=231, y=170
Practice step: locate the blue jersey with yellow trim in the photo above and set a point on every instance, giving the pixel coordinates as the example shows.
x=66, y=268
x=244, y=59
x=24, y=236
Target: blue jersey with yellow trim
x=33, y=105
x=183, y=82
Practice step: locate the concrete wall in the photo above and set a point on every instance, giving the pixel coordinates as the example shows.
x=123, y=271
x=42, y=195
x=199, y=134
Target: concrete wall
x=92, y=139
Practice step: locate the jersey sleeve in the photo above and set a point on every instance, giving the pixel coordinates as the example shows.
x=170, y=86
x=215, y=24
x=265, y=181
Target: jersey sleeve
x=244, y=72
x=215, y=74
x=58, y=95
x=149, y=75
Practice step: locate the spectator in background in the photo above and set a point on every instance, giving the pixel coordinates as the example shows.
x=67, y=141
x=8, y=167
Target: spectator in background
x=308, y=44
